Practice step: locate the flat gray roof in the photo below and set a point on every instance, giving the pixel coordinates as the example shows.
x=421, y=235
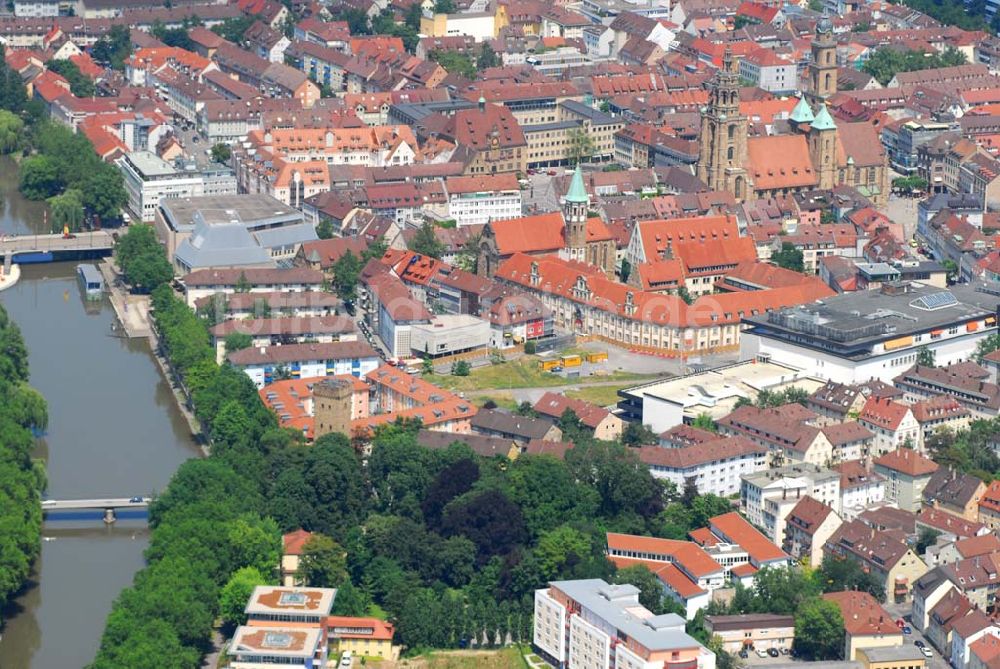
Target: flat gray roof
x=849, y=325
x=150, y=164
x=251, y=209
x=619, y=606
x=893, y=653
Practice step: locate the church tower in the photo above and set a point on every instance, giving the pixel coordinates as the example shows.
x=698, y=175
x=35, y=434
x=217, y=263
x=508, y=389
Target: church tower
x=823, y=68
x=724, y=134
x=576, y=204
x=823, y=147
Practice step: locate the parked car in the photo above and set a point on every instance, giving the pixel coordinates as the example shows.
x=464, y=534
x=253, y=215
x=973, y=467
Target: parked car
x=907, y=630
x=744, y=654
x=773, y=652
x=135, y=500
x=761, y=652
x=918, y=643
x=345, y=659
x=926, y=652
x=784, y=651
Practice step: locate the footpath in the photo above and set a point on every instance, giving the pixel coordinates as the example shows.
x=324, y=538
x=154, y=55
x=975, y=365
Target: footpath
x=132, y=310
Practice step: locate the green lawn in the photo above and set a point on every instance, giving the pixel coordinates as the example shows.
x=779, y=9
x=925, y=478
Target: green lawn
x=522, y=373
x=600, y=395
x=507, y=658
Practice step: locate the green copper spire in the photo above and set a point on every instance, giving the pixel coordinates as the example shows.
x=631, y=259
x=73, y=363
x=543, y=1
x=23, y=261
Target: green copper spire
x=802, y=113
x=577, y=193
x=823, y=120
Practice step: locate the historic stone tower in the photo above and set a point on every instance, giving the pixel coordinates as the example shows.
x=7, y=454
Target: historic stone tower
x=723, y=158
x=823, y=147
x=823, y=68
x=575, y=207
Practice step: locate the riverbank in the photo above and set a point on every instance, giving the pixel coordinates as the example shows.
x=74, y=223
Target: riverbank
x=132, y=310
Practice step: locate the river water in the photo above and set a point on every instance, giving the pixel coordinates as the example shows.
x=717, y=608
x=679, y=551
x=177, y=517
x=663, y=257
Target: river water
x=114, y=431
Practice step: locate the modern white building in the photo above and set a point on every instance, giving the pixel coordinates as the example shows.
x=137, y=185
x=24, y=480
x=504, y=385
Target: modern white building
x=766, y=69
x=272, y=363
x=150, y=179
x=258, y=647
x=856, y=337
x=665, y=403
x=477, y=200
x=448, y=334
x=768, y=496
x=594, y=625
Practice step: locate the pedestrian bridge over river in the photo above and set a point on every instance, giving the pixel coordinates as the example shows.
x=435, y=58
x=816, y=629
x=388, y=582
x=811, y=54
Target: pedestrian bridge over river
x=108, y=504
x=47, y=248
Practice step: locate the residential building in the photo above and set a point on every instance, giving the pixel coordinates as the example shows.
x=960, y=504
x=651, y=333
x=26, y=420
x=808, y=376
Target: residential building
x=292, y=545
x=768, y=496
x=769, y=71
x=906, y=475
x=785, y=431
x=879, y=553
x=266, y=364
x=519, y=428
x=517, y=319
x=715, y=466
x=866, y=623
x=284, y=330
x=954, y=492
x=860, y=488
x=363, y=637
x=827, y=340
x=964, y=382
x=258, y=305
x=989, y=506
x=396, y=394
x=928, y=590
x=892, y=423
x=476, y=200
x=808, y=526
x=209, y=282
x=606, y=425
x=589, y=623
x=760, y=631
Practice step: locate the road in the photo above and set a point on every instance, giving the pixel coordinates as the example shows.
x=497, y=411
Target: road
x=903, y=210
x=97, y=239
x=903, y=611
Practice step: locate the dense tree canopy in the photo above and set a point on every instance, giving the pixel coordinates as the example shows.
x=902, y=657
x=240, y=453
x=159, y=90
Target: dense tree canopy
x=886, y=62
x=141, y=258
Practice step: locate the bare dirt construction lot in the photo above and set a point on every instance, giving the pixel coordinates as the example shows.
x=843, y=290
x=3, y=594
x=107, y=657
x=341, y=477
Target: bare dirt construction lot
x=507, y=658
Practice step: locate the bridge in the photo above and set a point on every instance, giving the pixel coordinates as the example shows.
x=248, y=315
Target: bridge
x=93, y=242
x=108, y=504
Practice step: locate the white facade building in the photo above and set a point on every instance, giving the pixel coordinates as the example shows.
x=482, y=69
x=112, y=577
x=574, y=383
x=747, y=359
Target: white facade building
x=767, y=497
x=589, y=624
x=479, y=200
x=856, y=337
x=716, y=467
x=267, y=364
x=148, y=179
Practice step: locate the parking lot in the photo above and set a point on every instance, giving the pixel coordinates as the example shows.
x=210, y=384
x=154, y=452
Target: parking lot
x=903, y=611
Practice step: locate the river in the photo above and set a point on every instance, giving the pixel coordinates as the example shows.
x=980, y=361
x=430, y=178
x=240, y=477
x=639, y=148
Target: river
x=114, y=430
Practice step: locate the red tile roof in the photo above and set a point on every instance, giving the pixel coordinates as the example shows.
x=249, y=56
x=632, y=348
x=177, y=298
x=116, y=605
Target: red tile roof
x=884, y=413
x=351, y=628
x=907, y=461
x=294, y=541
x=532, y=234
x=863, y=615
x=734, y=528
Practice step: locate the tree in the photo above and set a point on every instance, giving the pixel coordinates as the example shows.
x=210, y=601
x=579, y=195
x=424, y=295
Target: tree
x=79, y=84
x=66, y=211
x=638, y=434
x=455, y=62
x=142, y=259
x=104, y=192
x=40, y=178
x=444, y=7
x=324, y=229
x=221, y=153
x=487, y=57
x=237, y=341
x=987, y=346
x=323, y=563
x=839, y=574
x=951, y=270
x=925, y=357
x=886, y=62
x=173, y=37
x=487, y=518
x=928, y=536
x=648, y=583
x=375, y=250
x=789, y=257
x=426, y=243
x=685, y=295
x=819, y=631
x=581, y=146
x=114, y=48
x=704, y=422
x=530, y=348
x=11, y=128
x=236, y=592
x=346, y=271
x=460, y=368
x=233, y=28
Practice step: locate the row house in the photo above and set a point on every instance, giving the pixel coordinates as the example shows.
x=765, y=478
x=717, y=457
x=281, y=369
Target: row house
x=906, y=475
x=954, y=492
x=965, y=382
x=715, y=467
x=892, y=423
x=808, y=527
